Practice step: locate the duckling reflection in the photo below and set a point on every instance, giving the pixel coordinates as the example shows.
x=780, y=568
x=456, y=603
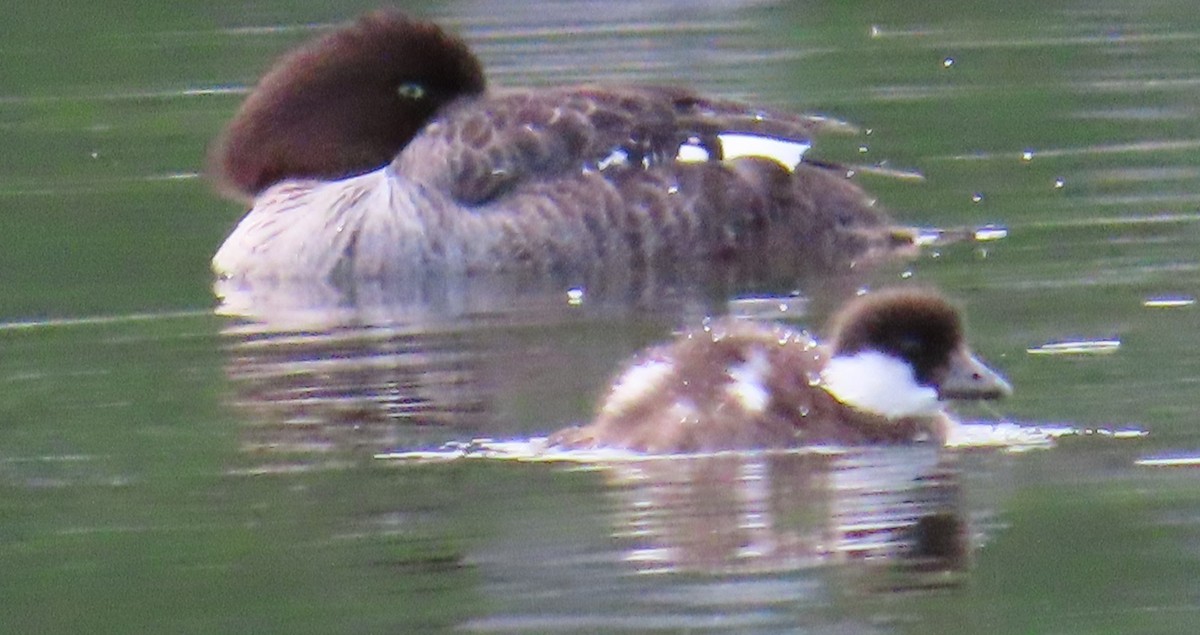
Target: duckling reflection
x=897, y=507
x=320, y=377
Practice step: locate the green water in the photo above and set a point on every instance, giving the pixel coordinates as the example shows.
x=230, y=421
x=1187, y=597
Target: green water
x=164, y=470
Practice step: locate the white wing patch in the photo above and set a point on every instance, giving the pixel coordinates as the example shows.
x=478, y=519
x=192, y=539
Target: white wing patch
x=636, y=384
x=735, y=145
x=692, y=153
x=617, y=157
x=786, y=151
x=749, y=382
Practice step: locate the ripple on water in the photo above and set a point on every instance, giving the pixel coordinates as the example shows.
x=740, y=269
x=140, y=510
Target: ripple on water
x=1077, y=347
x=1001, y=435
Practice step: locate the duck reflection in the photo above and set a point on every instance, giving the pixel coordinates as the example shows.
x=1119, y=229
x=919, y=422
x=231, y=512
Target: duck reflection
x=321, y=382
x=346, y=372
x=778, y=511
x=349, y=389
x=373, y=366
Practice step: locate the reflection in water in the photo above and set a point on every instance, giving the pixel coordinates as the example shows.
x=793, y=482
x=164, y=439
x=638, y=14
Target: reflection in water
x=780, y=511
x=371, y=367
x=734, y=541
x=318, y=369
x=440, y=301
x=349, y=388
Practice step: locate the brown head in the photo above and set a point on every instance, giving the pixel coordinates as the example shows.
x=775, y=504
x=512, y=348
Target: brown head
x=344, y=103
x=923, y=330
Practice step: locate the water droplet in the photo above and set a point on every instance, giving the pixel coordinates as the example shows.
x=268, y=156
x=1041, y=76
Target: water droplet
x=814, y=378
x=875, y=31
x=905, y=275
x=948, y=62
x=804, y=411
x=575, y=296
x=1059, y=183
x=1027, y=155
x=862, y=149
x=977, y=197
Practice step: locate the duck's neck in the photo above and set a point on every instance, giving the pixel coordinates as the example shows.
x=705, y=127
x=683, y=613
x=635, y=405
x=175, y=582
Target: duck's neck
x=405, y=227
x=375, y=225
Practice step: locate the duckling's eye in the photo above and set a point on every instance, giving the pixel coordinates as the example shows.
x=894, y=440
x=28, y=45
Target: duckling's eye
x=411, y=90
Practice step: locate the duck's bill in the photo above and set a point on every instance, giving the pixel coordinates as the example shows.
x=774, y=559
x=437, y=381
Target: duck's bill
x=969, y=378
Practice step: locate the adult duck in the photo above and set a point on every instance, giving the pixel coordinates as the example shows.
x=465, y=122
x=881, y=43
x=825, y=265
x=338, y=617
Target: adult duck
x=892, y=360
x=376, y=151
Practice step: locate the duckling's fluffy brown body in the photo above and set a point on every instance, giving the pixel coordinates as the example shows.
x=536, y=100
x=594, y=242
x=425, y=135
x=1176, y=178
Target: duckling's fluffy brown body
x=376, y=152
x=736, y=384
x=693, y=404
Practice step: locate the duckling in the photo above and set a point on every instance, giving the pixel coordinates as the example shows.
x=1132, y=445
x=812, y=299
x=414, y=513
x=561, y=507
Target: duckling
x=893, y=358
x=377, y=151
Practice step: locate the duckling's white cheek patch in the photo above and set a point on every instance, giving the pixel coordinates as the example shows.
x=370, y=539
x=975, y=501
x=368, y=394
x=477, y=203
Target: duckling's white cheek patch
x=636, y=384
x=878, y=383
x=748, y=385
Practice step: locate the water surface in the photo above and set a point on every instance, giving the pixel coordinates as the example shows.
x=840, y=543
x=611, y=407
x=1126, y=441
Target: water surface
x=166, y=468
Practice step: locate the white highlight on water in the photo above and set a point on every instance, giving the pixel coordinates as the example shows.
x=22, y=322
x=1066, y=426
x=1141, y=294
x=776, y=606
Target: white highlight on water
x=1169, y=461
x=1006, y=436
x=1077, y=347
x=1168, y=302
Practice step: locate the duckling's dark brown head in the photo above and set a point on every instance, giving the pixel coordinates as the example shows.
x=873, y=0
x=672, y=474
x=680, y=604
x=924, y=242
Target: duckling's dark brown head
x=922, y=329
x=344, y=104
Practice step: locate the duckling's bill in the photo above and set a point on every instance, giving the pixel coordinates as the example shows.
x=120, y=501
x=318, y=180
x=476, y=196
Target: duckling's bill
x=968, y=378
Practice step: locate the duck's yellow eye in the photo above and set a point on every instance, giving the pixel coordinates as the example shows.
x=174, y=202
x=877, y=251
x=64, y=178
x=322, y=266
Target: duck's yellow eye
x=410, y=90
